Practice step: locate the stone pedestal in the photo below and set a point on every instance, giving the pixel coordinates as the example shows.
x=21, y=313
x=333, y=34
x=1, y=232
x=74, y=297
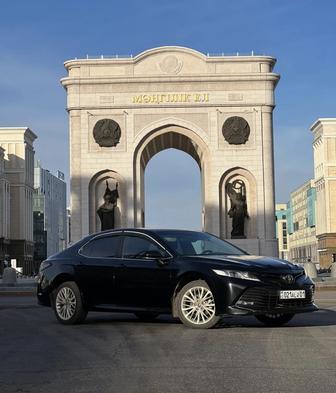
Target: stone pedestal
x=333, y=270
x=310, y=269
x=9, y=276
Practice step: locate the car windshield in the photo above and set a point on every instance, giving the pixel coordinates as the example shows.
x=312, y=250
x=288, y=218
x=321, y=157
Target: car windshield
x=189, y=243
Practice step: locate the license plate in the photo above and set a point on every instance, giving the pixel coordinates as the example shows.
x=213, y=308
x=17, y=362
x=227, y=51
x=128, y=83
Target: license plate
x=300, y=294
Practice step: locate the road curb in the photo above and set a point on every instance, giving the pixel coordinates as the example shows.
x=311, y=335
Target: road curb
x=18, y=292
x=18, y=306
x=325, y=287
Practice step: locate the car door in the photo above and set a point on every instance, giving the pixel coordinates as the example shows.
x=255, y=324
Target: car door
x=100, y=258
x=144, y=281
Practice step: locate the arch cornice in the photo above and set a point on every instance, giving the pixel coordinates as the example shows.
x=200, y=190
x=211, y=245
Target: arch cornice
x=169, y=49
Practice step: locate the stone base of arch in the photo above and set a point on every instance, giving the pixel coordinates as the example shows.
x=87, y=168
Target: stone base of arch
x=257, y=246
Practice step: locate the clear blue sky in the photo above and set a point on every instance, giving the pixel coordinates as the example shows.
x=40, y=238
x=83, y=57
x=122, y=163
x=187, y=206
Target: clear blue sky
x=37, y=36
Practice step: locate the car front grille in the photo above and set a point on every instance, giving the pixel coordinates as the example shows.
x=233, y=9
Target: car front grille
x=275, y=278
x=263, y=298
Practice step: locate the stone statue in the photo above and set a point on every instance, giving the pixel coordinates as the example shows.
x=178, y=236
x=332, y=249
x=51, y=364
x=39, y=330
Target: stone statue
x=106, y=133
x=238, y=209
x=106, y=210
x=236, y=130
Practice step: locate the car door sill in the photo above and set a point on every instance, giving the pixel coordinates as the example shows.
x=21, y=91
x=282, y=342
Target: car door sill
x=113, y=307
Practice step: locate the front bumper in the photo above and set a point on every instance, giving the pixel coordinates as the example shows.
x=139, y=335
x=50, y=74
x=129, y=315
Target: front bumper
x=43, y=290
x=263, y=299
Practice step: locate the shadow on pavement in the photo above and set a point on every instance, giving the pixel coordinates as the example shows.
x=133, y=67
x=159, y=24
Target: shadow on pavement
x=323, y=317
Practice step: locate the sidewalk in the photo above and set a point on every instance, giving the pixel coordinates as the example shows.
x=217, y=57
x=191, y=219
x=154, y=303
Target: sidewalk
x=323, y=282
x=23, y=286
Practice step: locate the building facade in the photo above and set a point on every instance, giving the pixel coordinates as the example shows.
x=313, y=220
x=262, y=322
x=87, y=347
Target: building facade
x=18, y=169
x=4, y=210
x=50, y=213
x=324, y=147
x=301, y=226
x=281, y=217
x=218, y=109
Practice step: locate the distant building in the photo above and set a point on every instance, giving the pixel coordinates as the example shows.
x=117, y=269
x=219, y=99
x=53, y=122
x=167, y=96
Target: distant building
x=281, y=229
x=16, y=195
x=324, y=145
x=301, y=224
x=50, y=213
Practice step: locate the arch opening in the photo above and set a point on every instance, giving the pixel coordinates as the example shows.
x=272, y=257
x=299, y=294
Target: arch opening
x=173, y=197
x=167, y=138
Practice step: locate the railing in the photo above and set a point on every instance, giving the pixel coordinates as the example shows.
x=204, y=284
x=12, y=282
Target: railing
x=222, y=54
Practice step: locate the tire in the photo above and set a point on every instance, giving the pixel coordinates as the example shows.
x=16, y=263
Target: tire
x=196, y=306
x=68, y=304
x=274, y=319
x=146, y=316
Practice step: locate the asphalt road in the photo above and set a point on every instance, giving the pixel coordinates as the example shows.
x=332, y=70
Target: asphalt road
x=117, y=353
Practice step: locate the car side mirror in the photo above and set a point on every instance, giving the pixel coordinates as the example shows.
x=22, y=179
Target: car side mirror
x=161, y=259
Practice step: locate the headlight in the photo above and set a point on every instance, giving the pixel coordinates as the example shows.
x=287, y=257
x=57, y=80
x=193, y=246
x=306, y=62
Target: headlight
x=237, y=274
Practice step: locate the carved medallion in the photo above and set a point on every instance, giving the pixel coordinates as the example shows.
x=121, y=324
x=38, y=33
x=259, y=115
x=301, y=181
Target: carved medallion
x=107, y=132
x=236, y=130
x=171, y=65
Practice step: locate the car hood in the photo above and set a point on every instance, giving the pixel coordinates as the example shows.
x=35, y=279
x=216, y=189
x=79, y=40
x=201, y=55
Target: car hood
x=249, y=262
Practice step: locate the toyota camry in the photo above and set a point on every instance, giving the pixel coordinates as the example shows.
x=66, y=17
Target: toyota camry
x=195, y=276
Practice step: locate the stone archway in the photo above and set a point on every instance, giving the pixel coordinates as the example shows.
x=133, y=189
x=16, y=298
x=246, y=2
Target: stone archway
x=217, y=109
x=158, y=139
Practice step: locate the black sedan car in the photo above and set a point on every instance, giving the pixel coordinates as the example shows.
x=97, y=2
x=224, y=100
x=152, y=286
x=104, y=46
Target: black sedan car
x=195, y=276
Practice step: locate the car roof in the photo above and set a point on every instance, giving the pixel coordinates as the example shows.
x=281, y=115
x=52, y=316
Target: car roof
x=148, y=231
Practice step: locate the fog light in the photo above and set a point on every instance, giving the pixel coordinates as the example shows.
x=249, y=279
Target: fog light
x=244, y=303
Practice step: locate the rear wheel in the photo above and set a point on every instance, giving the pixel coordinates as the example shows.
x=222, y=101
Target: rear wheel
x=146, y=316
x=196, y=305
x=68, y=304
x=274, y=319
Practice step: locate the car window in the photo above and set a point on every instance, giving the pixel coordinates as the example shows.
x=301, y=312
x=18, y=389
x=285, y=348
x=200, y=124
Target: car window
x=197, y=243
x=107, y=246
x=139, y=247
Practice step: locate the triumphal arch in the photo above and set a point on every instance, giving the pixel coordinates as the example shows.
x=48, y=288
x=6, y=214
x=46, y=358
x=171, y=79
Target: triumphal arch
x=218, y=109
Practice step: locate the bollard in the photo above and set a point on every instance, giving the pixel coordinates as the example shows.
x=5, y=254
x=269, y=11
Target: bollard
x=310, y=269
x=9, y=276
x=333, y=270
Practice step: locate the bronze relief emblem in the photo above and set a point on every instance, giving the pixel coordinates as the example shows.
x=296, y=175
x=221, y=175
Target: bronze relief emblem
x=236, y=130
x=171, y=65
x=106, y=133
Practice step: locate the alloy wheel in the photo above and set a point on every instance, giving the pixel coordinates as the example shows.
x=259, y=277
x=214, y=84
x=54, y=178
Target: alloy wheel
x=66, y=303
x=198, y=305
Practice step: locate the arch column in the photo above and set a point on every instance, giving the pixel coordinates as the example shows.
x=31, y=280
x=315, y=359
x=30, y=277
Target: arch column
x=268, y=170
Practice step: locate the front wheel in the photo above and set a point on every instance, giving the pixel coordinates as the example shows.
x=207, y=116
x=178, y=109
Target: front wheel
x=196, y=305
x=68, y=304
x=274, y=319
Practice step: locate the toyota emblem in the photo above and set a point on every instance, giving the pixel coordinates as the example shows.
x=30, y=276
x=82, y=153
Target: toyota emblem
x=288, y=278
